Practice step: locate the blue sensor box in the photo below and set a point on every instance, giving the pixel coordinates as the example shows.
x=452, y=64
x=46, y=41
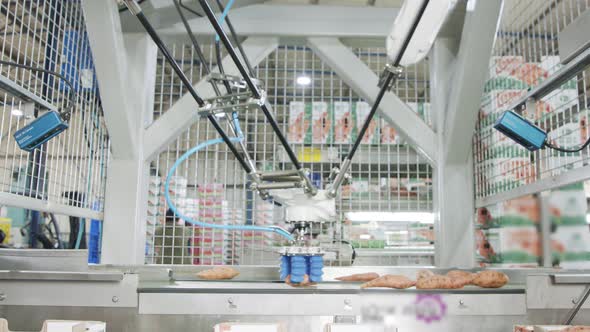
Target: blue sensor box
x=40, y=131
x=521, y=131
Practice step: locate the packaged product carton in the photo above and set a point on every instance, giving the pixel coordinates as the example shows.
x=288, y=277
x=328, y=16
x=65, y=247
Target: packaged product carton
x=299, y=123
x=362, y=110
x=343, y=124
x=322, y=123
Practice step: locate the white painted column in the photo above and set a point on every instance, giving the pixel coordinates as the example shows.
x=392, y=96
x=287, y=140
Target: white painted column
x=452, y=242
x=126, y=71
x=124, y=231
x=124, y=228
x=458, y=74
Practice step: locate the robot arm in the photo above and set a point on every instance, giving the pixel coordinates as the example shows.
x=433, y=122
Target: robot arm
x=435, y=13
x=412, y=35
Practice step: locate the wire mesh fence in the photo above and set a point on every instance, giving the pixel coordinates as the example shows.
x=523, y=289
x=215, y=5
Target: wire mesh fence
x=548, y=229
x=320, y=115
x=71, y=168
x=527, y=53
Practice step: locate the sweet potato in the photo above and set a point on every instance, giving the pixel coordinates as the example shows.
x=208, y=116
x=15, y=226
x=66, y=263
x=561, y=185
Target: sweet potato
x=390, y=281
x=461, y=277
x=304, y=283
x=364, y=277
x=490, y=279
x=577, y=329
x=218, y=273
x=437, y=282
x=424, y=274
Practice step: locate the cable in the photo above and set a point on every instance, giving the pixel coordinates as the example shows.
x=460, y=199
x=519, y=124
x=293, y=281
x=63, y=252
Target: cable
x=191, y=221
x=560, y=149
x=81, y=228
x=194, y=150
x=235, y=37
x=224, y=13
x=64, y=114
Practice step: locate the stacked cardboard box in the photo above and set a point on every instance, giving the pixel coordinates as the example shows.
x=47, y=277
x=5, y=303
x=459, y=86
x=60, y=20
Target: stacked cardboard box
x=508, y=164
x=343, y=124
x=156, y=212
x=507, y=234
x=263, y=215
x=300, y=119
x=562, y=103
x=322, y=123
x=570, y=241
x=232, y=240
x=388, y=134
x=208, y=243
x=361, y=111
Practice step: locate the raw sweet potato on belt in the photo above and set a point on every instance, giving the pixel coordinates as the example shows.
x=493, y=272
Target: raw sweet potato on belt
x=218, y=273
x=390, y=281
x=364, y=277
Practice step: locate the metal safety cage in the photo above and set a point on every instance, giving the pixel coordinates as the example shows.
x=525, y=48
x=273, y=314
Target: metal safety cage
x=413, y=85
x=531, y=206
x=539, y=70
x=319, y=114
x=66, y=175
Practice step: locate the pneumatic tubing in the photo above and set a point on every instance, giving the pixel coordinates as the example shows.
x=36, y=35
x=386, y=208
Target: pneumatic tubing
x=191, y=221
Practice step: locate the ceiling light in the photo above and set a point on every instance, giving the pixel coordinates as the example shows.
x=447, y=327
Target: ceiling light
x=303, y=80
x=16, y=112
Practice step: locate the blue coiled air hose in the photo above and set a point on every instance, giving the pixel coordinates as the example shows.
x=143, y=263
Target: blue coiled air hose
x=191, y=221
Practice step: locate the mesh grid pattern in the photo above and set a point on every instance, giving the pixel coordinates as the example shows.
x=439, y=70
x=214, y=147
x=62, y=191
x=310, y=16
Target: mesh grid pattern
x=388, y=175
x=71, y=168
x=526, y=53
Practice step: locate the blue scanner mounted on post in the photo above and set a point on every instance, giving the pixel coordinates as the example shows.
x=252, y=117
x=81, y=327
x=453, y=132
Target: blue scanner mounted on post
x=521, y=131
x=40, y=131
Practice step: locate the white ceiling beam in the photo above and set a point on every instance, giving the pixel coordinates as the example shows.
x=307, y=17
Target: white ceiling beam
x=299, y=21
x=471, y=71
x=185, y=111
x=361, y=79
x=108, y=50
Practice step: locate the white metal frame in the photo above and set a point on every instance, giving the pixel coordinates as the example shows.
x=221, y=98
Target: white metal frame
x=127, y=245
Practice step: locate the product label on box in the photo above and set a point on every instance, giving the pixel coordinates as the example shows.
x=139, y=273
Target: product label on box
x=299, y=122
x=322, y=126
x=362, y=111
x=343, y=124
x=505, y=65
x=388, y=134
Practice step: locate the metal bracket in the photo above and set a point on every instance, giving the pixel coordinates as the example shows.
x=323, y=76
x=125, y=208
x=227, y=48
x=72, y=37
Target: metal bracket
x=301, y=251
x=389, y=69
x=133, y=6
x=234, y=81
x=231, y=103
